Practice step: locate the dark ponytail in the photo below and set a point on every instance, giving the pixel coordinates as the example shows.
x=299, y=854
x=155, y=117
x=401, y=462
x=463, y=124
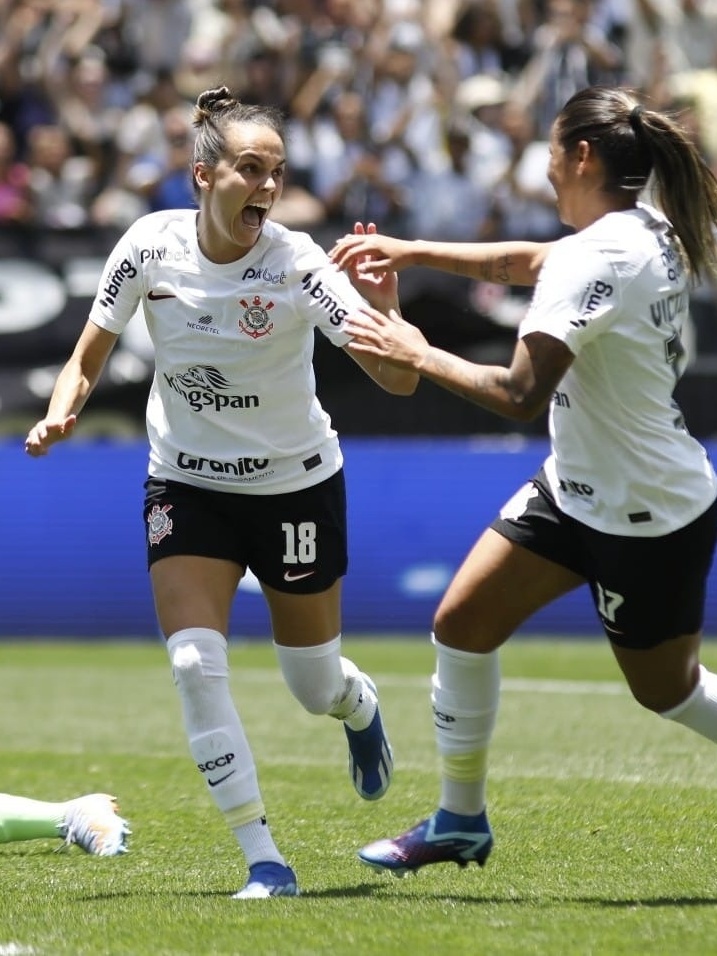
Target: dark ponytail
x=635, y=145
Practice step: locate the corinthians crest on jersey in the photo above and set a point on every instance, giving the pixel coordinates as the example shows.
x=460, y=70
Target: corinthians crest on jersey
x=255, y=319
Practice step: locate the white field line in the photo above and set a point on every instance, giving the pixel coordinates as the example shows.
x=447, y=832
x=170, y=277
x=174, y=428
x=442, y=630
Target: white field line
x=518, y=685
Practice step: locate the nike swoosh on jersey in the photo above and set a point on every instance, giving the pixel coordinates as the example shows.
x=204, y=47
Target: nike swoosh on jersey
x=289, y=576
x=213, y=783
x=154, y=296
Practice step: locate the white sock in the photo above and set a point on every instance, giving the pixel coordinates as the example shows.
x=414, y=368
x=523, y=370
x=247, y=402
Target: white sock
x=699, y=710
x=466, y=691
x=216, y=737
x=324, y=682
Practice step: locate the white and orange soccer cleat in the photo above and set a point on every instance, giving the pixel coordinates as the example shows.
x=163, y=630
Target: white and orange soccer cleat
x=93, y=823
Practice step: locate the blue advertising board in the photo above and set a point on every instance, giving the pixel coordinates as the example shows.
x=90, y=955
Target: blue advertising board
x=73, y=557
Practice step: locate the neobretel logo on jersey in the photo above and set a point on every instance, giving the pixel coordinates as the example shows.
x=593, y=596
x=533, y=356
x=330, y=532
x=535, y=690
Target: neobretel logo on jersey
x=336, y=313
x=200, y=388
x=204, y=324
x=255, y=320
x=159, y=524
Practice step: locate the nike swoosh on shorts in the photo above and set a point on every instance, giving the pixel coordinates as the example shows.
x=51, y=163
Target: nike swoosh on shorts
x=290, y=576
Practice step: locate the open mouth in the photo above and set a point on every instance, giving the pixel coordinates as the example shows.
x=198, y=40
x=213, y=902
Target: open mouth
x=254, y=216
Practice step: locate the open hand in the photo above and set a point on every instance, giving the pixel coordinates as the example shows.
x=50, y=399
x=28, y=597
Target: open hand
x=45, y=433
x=389, y=337
x=378, y=287
x=368, y=252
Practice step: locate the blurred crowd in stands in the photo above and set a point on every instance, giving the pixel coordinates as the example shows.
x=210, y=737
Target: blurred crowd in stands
x=427, y=117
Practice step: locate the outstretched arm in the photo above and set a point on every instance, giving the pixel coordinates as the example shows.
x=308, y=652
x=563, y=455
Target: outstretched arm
x=73, y=387
x=520, y=392
x=505, y=263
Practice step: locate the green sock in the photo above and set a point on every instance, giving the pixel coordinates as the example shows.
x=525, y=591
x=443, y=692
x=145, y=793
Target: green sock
x=22, y=818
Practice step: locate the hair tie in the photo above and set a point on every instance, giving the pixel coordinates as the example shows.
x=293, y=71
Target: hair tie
x=635, y=117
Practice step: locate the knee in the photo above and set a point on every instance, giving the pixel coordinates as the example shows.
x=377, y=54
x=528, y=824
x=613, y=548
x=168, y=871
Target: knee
x=454, y=626
x=448, y=625
x=662, y=699
x=315, y=700
x=196, y=654
x=186, y=663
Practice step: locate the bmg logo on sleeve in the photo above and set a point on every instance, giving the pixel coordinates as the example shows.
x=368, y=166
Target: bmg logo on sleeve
x=325, y=299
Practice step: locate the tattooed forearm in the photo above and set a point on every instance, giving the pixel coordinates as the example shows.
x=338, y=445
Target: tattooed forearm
x=504, y=263
x=502, y=270
x=483, y=385
x=520, y=392
x=496, y=269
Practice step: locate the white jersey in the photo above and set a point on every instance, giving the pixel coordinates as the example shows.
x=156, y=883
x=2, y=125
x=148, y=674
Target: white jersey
x=233, y=404
x=621, y=458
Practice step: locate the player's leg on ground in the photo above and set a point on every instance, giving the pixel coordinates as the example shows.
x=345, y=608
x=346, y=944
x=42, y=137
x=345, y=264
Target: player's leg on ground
x=499, y=585
x=193, y=597
x=90, y=821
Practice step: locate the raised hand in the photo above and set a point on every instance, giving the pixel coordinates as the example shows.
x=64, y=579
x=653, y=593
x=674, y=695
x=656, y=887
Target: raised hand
x=379, y=287
x=369, y=252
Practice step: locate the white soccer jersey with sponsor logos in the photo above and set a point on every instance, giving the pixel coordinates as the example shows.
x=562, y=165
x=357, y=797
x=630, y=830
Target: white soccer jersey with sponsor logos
x=233, y=404
x=621, y=459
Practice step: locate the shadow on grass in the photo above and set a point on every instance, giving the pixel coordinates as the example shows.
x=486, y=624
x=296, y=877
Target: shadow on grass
x=366, y=890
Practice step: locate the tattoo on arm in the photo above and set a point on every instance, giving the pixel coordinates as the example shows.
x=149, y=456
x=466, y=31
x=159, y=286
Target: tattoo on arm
x=461, y=378
x=503, y=269
x=496, y=270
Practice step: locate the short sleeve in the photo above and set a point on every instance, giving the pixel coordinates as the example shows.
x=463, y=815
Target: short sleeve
x=576, y=298
x=120, y=287
x=326, y=297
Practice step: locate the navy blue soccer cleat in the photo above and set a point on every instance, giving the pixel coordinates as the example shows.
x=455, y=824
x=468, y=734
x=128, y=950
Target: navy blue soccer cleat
x=424, y=844
x=268, y=879
x=370, y=754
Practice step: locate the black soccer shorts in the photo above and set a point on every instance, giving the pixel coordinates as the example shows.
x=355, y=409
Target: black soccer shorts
x=294, y=542
x=645, y=590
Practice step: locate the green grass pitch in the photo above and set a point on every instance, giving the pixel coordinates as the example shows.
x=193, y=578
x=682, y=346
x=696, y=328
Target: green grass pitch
x=604, y=815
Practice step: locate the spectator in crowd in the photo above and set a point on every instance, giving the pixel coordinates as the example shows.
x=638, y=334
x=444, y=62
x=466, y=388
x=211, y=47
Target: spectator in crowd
x=140, y=135
x=159, y=29
x=403, y=108
x=570, y=54
x=23, y=90
x=481, y=44
x=483, y=99
x=172, y=188
x=355, y=179
x=15, y=195
x=522, y=199
x=449, y=202
x=61, y=183
x=84, y=105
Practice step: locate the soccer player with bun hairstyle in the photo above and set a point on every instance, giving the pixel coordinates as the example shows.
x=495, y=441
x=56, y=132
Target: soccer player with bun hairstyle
x=245, y=469
x=625, y=501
